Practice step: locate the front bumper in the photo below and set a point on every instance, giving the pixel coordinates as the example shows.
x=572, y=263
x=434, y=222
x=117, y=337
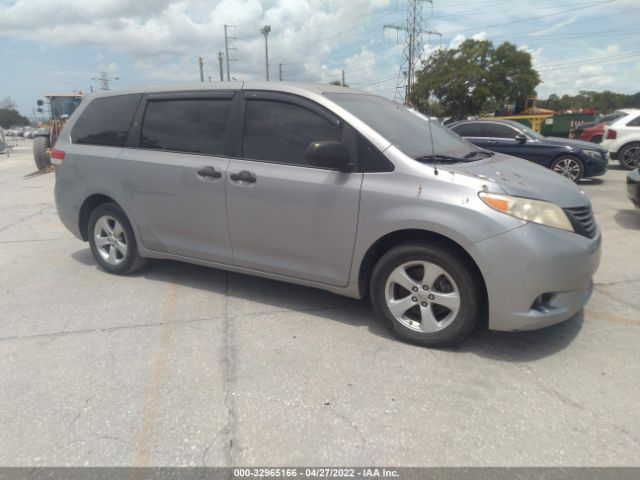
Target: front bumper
x=521, y=265
x=633, y=186
x=594, y=167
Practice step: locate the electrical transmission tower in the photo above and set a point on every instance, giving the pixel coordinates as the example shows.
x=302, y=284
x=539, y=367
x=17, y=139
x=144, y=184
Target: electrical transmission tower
x=413, y=50
x=104, y=80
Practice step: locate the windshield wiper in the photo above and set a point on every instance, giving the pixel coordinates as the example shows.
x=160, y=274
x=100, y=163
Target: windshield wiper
x=439, y=159
x=479, y=153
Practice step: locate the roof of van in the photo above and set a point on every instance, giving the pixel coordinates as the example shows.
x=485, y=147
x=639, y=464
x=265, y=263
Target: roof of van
x=291, y=87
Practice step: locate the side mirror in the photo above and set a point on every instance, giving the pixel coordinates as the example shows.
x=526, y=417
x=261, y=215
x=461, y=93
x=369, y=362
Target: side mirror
x=328, y=154
x=520, y=138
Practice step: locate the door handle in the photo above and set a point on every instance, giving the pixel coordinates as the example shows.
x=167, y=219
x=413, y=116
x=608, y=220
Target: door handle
x=209, y=173
x=243, y=176
x=492, y=142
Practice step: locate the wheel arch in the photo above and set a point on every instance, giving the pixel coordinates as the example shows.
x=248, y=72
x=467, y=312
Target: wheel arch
x=88, y=206
x=623, y=146
x=398, y=237
x=571, y=154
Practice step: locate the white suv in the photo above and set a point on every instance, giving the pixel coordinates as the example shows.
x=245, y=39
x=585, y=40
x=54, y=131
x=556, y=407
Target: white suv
x=622, y=139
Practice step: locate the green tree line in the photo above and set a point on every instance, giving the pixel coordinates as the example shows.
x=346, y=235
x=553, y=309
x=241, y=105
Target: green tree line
x=602, y=102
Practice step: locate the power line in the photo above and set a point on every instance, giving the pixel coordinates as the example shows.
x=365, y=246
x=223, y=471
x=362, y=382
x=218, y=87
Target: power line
x=531, y=19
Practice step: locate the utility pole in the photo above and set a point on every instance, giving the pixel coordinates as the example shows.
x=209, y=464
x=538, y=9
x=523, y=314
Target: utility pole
x=220, y=58
x=227, y=48
x=413, y=48
x=265, y=31
x=343, y=84
x=104, y=80
x=280, y=71
x=201, y=65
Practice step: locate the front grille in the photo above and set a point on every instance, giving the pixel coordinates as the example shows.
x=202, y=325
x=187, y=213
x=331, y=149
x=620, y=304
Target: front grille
x=582, y=220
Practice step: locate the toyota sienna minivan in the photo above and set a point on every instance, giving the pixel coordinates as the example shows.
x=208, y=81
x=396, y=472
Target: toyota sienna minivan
x=332, y=188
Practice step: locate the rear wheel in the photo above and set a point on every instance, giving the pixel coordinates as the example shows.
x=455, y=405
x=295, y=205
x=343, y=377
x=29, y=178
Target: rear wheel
x=597, y=139
x=112, y=240
x=568, y=166
x=629, y=156
x=426, y=294
x=40, y=153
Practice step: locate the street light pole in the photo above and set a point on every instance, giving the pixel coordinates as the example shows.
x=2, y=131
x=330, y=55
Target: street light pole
x=265, y=31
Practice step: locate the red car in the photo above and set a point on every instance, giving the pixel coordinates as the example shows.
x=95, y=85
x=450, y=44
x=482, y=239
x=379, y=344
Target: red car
x=593, y=131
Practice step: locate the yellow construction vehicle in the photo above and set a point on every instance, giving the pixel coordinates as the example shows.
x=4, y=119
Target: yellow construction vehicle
x=61, y=106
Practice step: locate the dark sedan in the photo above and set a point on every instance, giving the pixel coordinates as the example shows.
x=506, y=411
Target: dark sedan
x=633, y=186
x=574, y=159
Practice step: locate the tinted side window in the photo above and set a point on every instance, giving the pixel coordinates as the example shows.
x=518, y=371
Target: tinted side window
x=106, y=121
x=281, y=132
x=191, y=126
x=370, y=159
x=635, y=122
x=495, y=130
x=469, y=130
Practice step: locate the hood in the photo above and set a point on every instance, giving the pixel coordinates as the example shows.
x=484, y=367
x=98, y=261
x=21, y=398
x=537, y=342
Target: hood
x=571, y=142
x=522, y=178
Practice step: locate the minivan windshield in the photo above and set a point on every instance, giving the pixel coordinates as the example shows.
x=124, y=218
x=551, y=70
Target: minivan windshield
x=405, y=129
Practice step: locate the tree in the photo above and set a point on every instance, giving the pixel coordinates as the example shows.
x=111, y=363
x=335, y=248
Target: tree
x=603, y=102
x=9, y=118
x=475, y=78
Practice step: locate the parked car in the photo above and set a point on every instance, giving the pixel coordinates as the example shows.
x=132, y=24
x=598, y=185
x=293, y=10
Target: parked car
x=622, y=139
x=574, y=159
x=594, y=131
x=633, y=186
x=331, y=188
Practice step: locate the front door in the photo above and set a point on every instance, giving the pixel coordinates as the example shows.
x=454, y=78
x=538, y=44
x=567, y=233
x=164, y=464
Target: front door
x=286, y=217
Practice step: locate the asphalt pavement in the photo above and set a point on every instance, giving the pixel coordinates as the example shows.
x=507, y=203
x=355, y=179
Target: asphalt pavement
x=181, y=365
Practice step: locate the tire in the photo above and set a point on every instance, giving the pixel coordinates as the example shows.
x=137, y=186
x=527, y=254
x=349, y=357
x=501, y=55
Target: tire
x=629, y=156
x=569, y=166
x=597, y=139
x=426, y=321
x=112, y=240
x=40, y=154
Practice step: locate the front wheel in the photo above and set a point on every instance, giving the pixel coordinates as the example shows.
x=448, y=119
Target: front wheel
x=568, y=166
x=112, y=240
x=630, y=156
x=426, y=294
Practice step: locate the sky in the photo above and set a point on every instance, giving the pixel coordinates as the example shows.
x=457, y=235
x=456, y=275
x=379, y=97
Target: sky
x=58, y=46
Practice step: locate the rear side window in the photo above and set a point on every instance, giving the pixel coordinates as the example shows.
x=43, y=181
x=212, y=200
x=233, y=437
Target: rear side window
x=635, y=122
x=190, y=125
x=469, y=130
x=495, y=130
x=280, y=132
x=106, y=121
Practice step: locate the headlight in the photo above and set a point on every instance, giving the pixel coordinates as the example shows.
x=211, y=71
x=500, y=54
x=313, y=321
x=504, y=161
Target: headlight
x=529, y=210
x=593, y=154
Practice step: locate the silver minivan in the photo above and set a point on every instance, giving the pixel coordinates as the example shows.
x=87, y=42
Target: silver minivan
x=331, y=188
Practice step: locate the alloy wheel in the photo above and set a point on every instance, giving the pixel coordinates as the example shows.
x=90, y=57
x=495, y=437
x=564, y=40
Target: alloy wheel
x=110, y=240
x=422, y=296
x=569, y=167
x=631, y=157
